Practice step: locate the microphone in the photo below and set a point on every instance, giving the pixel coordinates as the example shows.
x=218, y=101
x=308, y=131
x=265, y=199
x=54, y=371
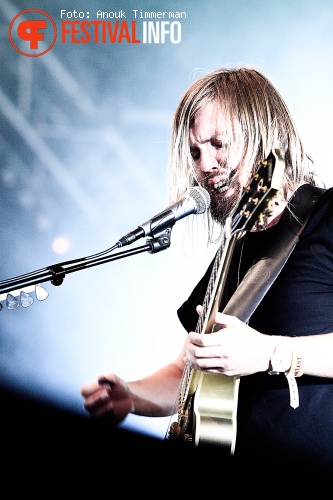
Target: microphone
x=196, y=201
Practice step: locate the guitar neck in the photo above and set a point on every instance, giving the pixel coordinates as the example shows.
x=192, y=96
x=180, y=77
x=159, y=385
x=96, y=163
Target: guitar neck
x=216, y=283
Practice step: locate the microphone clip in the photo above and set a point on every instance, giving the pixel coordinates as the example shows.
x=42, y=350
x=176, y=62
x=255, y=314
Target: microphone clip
x=161, y=239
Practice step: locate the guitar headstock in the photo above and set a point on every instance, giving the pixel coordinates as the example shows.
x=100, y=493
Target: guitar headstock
x=259, y=192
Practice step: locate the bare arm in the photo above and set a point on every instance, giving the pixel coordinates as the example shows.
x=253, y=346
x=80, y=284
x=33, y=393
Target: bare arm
x=317, y=353
x=152, y=396
x=156, y=394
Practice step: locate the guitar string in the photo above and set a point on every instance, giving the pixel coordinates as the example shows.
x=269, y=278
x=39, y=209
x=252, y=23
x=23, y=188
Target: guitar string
x=187, y=372
x=184, y=385
x=240, y=260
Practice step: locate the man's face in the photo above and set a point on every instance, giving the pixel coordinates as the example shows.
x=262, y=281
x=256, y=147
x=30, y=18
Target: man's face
x=217, y=159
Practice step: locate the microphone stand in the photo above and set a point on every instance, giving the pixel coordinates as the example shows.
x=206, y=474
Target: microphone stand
x=160, y=240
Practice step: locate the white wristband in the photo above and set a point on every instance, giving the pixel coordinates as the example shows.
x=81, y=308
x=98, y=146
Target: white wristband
x=281, y=358
x=281, y=362
x=293, y=390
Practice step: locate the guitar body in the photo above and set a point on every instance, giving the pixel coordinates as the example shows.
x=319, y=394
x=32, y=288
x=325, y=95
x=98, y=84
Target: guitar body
x=215, y=410
x=206, y=408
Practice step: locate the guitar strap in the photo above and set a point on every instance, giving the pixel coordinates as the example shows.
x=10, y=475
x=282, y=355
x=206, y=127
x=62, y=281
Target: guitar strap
x=264, y=271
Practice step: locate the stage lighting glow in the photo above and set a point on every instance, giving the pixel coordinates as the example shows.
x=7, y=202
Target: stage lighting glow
x=60, y=245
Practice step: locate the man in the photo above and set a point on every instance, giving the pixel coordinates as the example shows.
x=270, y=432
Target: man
x=226, y=124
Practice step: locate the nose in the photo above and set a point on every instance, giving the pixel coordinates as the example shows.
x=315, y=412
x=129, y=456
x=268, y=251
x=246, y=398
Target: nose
x=208, y=160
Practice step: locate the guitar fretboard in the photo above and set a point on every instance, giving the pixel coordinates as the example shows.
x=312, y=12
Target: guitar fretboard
x=187, y=373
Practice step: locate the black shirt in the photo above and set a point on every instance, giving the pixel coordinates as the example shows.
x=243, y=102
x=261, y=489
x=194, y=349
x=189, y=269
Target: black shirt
x=299, y=303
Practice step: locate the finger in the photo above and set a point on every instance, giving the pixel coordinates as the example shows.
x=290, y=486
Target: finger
x=90, y=389
x=196, y=339
x=199, y=309
x=202, y=340
x=211, y=365
x=226, y=319
x=104, y=410
x=97, y=403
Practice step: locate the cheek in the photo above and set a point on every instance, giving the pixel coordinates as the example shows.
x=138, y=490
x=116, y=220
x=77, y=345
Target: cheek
x=245, y=176
x=199, y=173
x=236, y=162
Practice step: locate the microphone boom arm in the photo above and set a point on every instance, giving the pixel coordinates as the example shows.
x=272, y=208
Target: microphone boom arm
x=56, y=273
x=158, y=230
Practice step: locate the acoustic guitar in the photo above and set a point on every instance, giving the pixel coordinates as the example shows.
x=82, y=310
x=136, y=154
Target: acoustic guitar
x=206, y=406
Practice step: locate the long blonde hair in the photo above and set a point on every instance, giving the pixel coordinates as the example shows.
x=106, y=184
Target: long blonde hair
x=250, y=99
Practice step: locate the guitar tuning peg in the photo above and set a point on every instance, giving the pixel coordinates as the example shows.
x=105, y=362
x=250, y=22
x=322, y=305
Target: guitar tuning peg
x=41, y=293
x=25, y=299
x=11, y=302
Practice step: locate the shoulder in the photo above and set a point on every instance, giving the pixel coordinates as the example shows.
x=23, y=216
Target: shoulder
x=187, y=313
x=325, y=201
x=322, y=216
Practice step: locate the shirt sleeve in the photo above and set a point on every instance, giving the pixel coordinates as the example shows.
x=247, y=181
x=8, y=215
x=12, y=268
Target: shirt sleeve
x=187, y=313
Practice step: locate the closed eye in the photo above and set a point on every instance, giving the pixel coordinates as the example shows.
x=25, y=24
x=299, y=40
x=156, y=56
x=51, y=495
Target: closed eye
x=195, y=153
x=218, y=144
x=214, y=142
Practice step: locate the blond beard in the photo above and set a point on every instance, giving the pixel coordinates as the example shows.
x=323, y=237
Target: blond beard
x=222, y=208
